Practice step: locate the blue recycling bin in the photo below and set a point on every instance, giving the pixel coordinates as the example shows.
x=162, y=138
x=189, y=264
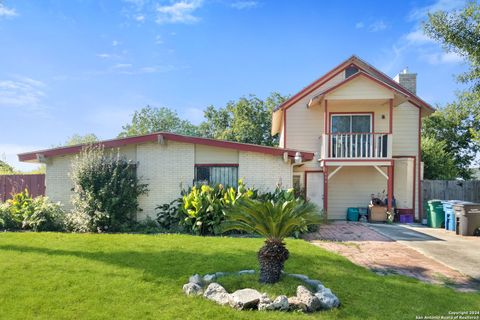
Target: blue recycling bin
x=449, y=214
x=352, y=214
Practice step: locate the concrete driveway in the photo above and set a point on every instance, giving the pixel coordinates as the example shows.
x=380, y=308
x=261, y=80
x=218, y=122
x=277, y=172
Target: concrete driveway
x=457, y=252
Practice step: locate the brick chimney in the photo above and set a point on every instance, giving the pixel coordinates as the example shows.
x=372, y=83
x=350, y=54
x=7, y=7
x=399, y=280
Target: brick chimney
x=407, y=80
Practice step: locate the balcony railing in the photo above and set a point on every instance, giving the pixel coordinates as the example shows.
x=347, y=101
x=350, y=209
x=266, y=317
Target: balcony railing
x=357, y=146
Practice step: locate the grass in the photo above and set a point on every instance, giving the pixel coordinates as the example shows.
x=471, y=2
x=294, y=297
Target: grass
x=287, y=286
x=122, y=276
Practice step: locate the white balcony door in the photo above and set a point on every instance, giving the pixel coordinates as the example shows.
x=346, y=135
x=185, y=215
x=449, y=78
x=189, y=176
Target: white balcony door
x=314, y=188
x=351, y=135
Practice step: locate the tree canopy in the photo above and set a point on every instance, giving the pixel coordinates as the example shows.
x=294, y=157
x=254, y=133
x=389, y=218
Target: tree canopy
x=150, y=119
x=246, y=120
x=79, y=139
x=459, y=32
x=5, y=168
x=456, y=126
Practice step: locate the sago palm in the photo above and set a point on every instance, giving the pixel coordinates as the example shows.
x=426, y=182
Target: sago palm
x=275, y=221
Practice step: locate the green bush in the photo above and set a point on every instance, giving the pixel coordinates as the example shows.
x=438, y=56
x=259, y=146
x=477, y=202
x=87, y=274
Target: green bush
x=106, y=191
x=23, y=212
x=202, y=207
x=169, y=215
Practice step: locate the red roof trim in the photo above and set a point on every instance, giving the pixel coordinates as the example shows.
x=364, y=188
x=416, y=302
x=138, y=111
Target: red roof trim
x=359, y=74
x=367, y=68
x=153, y=137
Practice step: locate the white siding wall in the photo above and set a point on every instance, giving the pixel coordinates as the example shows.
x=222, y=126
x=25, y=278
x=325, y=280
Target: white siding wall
x=264, y=171
x=166, y=169
x=405, y=130
x=352, y=187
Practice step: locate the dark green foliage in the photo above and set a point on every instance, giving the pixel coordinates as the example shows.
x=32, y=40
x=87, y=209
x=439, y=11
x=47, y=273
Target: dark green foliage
x=456, y=127
x=247, y=120
x=274, y=220
x=78, y=139
x=169, y=215
x=438, y=163
x=23, y=212
x=106, y=191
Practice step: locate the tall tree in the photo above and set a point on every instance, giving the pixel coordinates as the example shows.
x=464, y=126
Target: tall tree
x=459, y=32
x=247, y=120
x=79, y=139
x=438, y=163
x=5, y=168
x=457, y=125
x=150, y=119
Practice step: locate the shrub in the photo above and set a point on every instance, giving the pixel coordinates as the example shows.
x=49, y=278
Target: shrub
x=169, y=215
x=202, y=207
x=106, y=191
x=27, y=213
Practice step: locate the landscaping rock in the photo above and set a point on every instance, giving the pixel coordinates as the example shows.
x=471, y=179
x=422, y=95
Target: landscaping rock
x=294, y=304
x=264, y=302
x=192, y=289
x=280, y=303
x=245, y=299
x=311, y=302
x=196, y=278
x=220, y=274
x=313, y=283
x=209, y=278
x=299, y=276
x=217, y=293
x=327, y=299
x=246, y=272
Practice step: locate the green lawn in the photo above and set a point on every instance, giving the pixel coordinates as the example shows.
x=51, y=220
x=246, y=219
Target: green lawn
x=90, y=276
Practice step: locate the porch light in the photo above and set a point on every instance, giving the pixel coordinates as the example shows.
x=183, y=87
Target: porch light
x=298, y=157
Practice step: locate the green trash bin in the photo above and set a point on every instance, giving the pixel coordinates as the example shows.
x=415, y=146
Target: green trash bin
x=435, y=214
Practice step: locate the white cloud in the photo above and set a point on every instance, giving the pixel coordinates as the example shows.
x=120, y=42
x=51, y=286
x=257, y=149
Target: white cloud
x=443, y=58
x=140, y=18
x=178, y=12
x=359, y=25
x=7, y=12
x=122, y=65
x=417, y=36
x=158, y=39
x=104, y=55
x=22, y=92
x=241, y=5
x=444, y=5
x=378, y=25
x=116, y=43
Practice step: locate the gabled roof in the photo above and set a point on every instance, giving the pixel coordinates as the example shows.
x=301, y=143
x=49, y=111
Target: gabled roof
x=364, y=67
x=160, y=136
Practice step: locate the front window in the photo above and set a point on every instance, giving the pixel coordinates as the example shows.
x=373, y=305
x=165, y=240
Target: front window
x=351, y=135
x=226, y=175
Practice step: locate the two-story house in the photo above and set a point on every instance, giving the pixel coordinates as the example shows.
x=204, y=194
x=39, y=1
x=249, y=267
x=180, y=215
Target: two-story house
x=352, y=133
x=364, y=129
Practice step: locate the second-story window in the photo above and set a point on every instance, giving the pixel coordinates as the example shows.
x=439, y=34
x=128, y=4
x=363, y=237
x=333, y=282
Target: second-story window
x=351, y=123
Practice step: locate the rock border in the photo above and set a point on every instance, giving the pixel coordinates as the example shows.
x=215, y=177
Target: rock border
x=251, y=299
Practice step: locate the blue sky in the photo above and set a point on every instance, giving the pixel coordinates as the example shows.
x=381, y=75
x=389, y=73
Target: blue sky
x=84, y=66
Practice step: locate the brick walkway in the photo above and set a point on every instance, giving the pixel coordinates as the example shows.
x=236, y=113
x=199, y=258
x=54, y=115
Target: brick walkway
x=367, y=248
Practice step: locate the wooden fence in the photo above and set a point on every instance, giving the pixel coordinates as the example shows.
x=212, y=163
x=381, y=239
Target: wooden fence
x=11, y=184
x=451, y=190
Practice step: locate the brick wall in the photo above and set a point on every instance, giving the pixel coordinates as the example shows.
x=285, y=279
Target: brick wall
x=165, y=168
x=264, y=171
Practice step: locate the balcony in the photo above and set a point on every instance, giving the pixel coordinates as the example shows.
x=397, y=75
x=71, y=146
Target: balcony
x=347, y=146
